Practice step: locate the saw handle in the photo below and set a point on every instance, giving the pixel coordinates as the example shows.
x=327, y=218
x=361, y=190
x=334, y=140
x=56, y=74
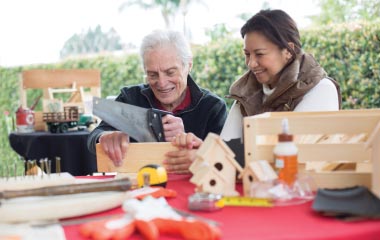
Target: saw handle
x=155, y=122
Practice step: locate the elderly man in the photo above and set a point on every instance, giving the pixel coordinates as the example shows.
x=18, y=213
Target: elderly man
x=167, y=62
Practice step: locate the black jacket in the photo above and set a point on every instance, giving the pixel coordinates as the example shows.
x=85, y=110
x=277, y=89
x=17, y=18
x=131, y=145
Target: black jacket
x=206, y=113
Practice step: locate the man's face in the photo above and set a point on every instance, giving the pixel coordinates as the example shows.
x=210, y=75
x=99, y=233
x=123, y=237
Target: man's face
x=166, y=76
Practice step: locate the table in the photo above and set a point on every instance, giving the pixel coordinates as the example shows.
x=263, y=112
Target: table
x=71, y=147
x=287, y=222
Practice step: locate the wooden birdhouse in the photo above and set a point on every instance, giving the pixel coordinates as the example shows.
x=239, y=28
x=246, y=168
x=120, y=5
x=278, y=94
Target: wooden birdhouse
x=214, y=169
x=256, y=171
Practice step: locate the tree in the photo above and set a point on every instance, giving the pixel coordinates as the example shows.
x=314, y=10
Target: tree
x=184, y=6
x=93, y=41
x=340, y=11
x=168, y=7
x=217, y=32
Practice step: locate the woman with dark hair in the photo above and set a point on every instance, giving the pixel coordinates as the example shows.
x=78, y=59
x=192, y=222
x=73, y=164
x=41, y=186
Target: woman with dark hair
x=280, y=76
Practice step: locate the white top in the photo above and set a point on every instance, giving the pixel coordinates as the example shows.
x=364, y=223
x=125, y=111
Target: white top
x=322, y=97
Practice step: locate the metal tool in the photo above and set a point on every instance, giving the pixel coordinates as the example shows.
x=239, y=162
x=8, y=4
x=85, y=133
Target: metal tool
x=197, y=217
x=142, y=124
x=238, y=201
x=201, y=201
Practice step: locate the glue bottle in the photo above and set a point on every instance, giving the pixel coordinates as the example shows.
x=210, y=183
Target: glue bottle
x=285, y=153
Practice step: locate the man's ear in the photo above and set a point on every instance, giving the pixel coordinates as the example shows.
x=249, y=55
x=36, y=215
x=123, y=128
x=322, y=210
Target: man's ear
x=190, y=66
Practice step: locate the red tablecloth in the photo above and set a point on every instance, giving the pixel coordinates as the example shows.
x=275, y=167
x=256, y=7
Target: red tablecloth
x=287, y=222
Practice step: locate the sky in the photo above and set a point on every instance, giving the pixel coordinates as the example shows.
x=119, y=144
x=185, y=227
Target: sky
x=34, y=31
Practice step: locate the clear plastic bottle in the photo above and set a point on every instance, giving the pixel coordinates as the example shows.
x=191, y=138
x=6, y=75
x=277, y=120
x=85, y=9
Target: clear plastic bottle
x=286, y=153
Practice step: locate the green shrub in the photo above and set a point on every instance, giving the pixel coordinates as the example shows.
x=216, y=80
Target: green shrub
x=349, y=53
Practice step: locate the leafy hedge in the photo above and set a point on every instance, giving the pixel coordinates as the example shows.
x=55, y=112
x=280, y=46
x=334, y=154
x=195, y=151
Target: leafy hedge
x=349, y=53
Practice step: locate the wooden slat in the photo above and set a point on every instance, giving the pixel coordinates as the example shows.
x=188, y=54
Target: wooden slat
x=375, y=146
x=349, y=112
x=60, y=78
x=315, y=152
x=340, y=179
x=39, y=124
x=138, y=155
x=314, y=124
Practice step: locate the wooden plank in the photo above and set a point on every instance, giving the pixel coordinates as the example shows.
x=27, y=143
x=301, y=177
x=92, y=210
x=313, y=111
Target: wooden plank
x=39, y=124
x=313, y=124
x=60, y=78
x=138, y=155
x=375, y=146
x=347, y=112
x=339, y=179
x=314, y=152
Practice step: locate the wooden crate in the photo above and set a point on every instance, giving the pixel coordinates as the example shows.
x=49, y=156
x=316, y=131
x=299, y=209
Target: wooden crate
x=336, y=137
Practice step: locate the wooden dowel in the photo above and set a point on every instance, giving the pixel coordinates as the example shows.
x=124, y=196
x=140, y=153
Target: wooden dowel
x=123, y=184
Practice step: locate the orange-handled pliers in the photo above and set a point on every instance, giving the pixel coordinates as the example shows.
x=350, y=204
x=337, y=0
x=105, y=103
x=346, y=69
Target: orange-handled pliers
x=117, y=229
x=151, y=217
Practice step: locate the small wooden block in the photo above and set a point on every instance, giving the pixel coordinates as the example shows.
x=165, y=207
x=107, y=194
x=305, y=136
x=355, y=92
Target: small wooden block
x=262, y=170
x=138, y=155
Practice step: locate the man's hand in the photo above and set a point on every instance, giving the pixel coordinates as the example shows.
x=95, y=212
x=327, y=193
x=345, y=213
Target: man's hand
x=172, y=126
x=179, y=161
x=115, y=145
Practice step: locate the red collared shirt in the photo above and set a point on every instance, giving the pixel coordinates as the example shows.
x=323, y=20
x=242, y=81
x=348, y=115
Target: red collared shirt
x=184, y=104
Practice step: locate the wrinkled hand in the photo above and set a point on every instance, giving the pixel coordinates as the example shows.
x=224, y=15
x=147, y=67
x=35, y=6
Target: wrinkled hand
x=180, y=160
x=115, y=145
x=172, y=126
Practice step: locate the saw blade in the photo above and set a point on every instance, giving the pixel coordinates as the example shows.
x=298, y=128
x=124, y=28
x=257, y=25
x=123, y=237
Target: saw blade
x=125, y=117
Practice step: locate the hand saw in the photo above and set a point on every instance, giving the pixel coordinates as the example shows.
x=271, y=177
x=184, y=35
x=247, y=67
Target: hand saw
x=142, y=124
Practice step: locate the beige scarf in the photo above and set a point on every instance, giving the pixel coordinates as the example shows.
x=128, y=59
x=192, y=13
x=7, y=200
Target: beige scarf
x=295, y=81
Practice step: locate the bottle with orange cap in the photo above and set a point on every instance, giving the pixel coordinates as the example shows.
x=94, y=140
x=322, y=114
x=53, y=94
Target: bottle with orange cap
x=286, y=154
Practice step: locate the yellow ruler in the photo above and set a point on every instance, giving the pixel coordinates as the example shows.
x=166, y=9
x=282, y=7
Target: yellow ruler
x=244, y=202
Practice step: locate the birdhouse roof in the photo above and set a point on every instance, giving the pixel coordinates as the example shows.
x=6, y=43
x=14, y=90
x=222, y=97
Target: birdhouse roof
x=212, y=141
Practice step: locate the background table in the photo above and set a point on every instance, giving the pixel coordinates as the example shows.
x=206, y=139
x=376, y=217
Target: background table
x=297, y=222
x=71, y=147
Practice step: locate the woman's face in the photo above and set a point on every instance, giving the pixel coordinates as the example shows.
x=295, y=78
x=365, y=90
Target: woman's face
x=264, y=58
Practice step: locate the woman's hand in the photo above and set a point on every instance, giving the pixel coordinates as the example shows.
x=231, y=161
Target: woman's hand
x=179, y=161
x=187, y=140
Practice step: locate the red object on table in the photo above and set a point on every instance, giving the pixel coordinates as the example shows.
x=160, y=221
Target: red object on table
x=286, y=222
